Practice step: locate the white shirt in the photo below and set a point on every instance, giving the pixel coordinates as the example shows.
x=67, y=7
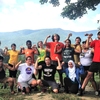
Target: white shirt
x=86, y=58
x=25, y=72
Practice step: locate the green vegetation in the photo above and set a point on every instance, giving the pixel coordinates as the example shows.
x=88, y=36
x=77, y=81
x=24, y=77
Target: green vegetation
x=74, y=10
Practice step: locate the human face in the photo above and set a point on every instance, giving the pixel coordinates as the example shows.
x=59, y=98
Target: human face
x=67, y=43
x=83, y=45
x=40, y=44
x=47, y=61
x=55, y=37
x=29, y=45
x=29, y=61
x=77, y=41
x=70, y=64
x=13, y=47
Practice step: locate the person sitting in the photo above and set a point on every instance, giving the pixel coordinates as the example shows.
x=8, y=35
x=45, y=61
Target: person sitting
x=72, y=80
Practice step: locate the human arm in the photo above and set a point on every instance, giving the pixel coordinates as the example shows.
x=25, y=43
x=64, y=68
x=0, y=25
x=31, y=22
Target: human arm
x=45, y=41
x=89, y=39
x=36, y=64
x=36, y=51
x=8, y=67
x=57, y=51
x=78, y=49
x=17, y=65
x=69, y=35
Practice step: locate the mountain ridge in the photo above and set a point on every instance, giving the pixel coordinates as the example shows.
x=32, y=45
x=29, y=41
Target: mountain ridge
x=21, y=36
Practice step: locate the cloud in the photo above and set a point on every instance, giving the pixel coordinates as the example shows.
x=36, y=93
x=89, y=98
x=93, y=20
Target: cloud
x=30, y=15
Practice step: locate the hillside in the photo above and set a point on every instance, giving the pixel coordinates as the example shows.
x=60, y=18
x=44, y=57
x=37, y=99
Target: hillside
x=20, y=37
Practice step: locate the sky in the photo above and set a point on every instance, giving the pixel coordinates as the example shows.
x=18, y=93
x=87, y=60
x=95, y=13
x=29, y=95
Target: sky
x=30, y=14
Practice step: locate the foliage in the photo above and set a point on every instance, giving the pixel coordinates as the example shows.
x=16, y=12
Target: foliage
x=75, y=10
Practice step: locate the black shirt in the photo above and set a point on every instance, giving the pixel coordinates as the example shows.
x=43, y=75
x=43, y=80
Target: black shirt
x=49, y=72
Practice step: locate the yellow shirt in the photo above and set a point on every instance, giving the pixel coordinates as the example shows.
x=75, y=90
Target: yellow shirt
x=13, y=59
x=76, y=55
x=42, y=54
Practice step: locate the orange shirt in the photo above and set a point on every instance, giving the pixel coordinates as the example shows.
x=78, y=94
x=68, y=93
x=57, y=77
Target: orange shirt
x=29, y=52
x=53, y=55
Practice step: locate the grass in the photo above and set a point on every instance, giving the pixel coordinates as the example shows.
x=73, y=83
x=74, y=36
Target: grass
x=5, y=93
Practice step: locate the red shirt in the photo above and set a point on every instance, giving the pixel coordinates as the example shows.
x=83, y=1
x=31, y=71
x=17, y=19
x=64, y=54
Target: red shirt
x=96, y=45
x=29, y=52
x=53, y=55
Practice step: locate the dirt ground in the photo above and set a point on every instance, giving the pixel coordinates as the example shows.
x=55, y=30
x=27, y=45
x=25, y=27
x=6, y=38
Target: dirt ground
x=89, y=95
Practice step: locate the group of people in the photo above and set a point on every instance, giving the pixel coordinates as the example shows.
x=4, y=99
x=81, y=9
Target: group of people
x=78, y=62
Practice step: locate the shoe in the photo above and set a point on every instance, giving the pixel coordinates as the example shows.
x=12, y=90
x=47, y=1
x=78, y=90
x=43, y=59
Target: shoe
x=96, y=93
x=80, y=93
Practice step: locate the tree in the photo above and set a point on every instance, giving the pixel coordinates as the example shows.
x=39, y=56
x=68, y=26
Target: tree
x=74, y=10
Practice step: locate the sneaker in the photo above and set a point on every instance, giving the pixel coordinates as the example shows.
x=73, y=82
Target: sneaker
x=80, y=93
x=96, y=93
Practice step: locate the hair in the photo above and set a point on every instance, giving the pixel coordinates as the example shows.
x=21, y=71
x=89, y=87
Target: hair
x=38, y=44
x=84, y=42
x=28, y=41
x=28, y=57
x=56, y=35
x=13, y=44
x=98, y=33
x=68, y=40
x=48, y=57
x=1, y=58
x=78, y=38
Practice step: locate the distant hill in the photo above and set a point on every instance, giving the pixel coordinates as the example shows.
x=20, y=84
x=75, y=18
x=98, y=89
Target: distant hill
x=20, y=37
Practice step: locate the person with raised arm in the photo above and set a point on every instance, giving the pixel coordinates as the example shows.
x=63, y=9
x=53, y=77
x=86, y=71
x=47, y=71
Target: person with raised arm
x=3, y=78
x=49, y=71
x=52, y=45
x=77, y=48
x=95, y=65
x=25, y=79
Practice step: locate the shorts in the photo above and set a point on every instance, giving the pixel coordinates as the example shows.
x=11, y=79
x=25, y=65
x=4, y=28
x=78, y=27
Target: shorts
x=53, y=84
x=25, y=84
x=12, y=73
x=95, y=67
x=86, y=68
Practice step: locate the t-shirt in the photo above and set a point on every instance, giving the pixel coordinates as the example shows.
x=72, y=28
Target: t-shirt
x=13, y=59
x=68, y=54
x=53, y=55
x=29, y=52
x=49, y=72
x=42, y=54
x=25, y=72
x=76, y=55
x=96, y=45
x=86, y=58
x=2, y=73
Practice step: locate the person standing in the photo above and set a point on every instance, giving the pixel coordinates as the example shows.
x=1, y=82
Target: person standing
x=49, y=71
x=41, y=55
x=95, y=65
x=13, y=60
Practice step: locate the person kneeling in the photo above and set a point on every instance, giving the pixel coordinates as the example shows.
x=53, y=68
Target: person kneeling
x=49, y=71
x=25, y=79
x=3, y=78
